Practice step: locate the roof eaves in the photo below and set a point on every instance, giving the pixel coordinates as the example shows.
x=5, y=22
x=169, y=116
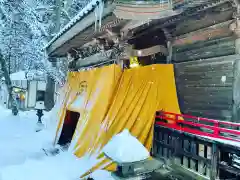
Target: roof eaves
x=87, y=9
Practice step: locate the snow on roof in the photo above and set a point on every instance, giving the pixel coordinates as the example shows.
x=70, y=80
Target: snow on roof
x=20, y=75
x=90, y=6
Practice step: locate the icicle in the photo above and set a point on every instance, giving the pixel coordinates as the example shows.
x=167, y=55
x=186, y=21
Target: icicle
x=101, y=8
x=170, y=3
x=96, y=17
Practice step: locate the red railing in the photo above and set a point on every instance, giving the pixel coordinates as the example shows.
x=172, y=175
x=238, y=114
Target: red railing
x=199, y=126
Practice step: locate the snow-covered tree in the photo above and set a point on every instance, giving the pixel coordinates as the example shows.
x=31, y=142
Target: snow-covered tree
x=27, y=25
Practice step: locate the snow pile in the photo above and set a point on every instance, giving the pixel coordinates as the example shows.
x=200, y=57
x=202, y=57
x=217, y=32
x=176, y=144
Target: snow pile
x=22, y=157
x=18, y=137
x=101, y=175
x=124, y=148
x=64, y=166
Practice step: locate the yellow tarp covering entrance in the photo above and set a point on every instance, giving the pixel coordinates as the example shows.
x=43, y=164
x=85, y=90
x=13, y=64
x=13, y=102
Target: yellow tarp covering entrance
x=115, y=100
x=90, y=94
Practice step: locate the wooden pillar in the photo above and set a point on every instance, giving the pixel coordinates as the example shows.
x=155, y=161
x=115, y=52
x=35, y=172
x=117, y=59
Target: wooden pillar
x=50, y=89
x=214, y=162
x=235, y=27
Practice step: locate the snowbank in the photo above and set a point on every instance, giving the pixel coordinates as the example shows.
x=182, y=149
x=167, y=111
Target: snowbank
x=19, y=140
x=22, y=157
x=124, y=148
x=64, y=166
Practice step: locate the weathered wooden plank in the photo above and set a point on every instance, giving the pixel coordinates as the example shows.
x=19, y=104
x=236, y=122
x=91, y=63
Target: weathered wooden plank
x=191, y=102
x=211, y=62
x=214, y=162
x=206, y=74
x=205, y=87
x=199, y=91
x=208, y=19
x=208, y=42
x=204, y=52
x=204, y=70
x=209, y=83
x=204, y=106
x=200, y=163
x=186, y=149
x=221, y=115
x=223, y=79
x=199, y=100
x=193, y=162
x=227, y=97
x=211, y=99
x=236, y=92
x=208, y=89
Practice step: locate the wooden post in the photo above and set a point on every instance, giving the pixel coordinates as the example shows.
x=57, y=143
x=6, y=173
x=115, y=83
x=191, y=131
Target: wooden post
x=193, y=151
x=50, y=90
x=186, y=147
x=236, y=100
x=235, y=26
x=165, y=150
x=209, y=156
x=201, y=164
x=214, y=162
x=177, y=148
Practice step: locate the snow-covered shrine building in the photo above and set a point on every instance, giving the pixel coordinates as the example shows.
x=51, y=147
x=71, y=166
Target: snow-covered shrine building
x=104, y=33
x=199, y=39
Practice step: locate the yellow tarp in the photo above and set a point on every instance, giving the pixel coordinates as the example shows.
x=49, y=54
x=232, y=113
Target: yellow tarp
x=114, y=101
x=90, y=94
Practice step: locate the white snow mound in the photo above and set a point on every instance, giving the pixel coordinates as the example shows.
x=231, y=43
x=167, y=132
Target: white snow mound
x=125, y=148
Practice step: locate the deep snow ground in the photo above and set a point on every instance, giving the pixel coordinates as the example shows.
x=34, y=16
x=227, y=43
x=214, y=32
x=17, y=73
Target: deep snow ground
x=22, y=157
x=18, y=139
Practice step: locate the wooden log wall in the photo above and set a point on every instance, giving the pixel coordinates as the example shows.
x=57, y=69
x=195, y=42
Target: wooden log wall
x=213, y=41
x=207, y=72
x=208, y=49
x=206, y=86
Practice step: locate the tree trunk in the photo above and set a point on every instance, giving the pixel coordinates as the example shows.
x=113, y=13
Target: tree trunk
x=8, y=83
x=50, y=91
x=57, y=16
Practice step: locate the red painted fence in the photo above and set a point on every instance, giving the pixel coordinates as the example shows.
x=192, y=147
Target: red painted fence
x=199, y=126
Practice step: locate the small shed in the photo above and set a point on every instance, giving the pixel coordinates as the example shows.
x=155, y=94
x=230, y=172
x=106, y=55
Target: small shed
x=28, y=88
